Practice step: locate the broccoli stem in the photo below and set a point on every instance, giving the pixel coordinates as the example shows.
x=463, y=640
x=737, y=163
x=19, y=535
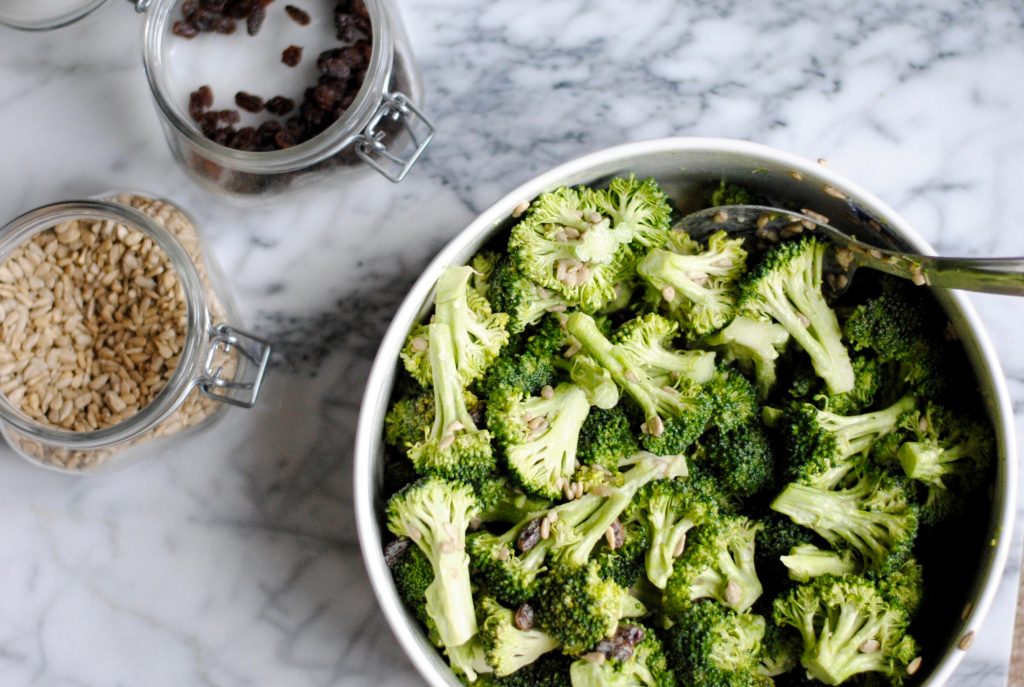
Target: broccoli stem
x=584, y=328
x=667, y=540
x=449, y=398
x=857, y=433
x=807, y=561
x=927, y=462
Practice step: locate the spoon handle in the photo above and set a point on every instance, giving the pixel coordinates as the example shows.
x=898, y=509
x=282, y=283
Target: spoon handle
x=1003, y=276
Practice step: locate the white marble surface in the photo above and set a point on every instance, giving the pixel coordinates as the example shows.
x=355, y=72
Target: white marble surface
x=233, y=560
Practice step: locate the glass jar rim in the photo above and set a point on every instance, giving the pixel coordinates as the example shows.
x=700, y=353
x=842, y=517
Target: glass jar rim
x=21, y=229
x=322, y=146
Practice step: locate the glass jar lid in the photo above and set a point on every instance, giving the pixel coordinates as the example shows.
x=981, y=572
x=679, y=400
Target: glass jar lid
x=41, y=15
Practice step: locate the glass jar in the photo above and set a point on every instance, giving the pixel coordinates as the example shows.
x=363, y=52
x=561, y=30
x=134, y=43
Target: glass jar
x=382, y=128
x=82, y=388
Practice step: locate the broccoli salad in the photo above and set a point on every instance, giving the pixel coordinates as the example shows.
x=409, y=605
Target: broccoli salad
x=621, y=456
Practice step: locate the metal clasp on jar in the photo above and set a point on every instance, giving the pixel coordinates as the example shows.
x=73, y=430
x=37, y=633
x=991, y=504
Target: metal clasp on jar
x=250, y=365
x=141, y=5
x=370, y=145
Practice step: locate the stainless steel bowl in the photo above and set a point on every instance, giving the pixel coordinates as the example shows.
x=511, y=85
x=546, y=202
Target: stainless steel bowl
x=681, y=164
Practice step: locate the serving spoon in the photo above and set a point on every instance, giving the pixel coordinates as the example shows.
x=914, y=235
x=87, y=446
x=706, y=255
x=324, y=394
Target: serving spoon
x=988, y=275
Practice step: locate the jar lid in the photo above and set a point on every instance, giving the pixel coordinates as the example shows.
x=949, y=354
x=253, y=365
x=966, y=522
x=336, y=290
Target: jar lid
x=43, y=15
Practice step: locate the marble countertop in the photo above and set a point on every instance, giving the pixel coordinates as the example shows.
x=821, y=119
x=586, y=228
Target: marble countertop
x=233, y=560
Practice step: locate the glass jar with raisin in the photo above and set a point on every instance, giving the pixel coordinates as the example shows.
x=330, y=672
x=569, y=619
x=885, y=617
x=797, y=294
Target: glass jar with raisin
x=257, y=97
x=118, y=333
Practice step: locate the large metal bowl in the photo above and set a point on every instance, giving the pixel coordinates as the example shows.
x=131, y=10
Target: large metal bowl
x=680, y=164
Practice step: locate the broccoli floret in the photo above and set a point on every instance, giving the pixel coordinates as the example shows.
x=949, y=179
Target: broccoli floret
x=579, y=608
x=550, y=670
x=669, y=509
x=506, y=647
x=697, y=286
x=484, y=264
x=538, y=435
x=574, y=528
x=576, y=547
x=870, y=514
x=717, y=563
x=576, y=242
x=596, y=382
x=821, y=445
x=778, y=536
x=868, y=376
x=647, y=341
x=476, y=334
x=950, y=458
x=733, y=399
x=606, y=438
x=641, y=665
x=638, y=208
x=712, y=646
x=780, y=651
x=903, y=325
x=731, y=194
x=529, y=369
x=807, y=561
x=741, y=459
x=408, y=421
x=524, y=301
x=454, y=448
x=756, y=344
x=624, y=565
x=502, y=501
x=435, y=515
x=904, y=586
x=642, y=366
x=679, y=433
x=413, y=575
x=848, y=628
x=786, y=286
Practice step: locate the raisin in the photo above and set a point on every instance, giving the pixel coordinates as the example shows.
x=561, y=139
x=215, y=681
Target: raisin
x=326, y=96
x=244, y=139
x=208, y=124
x=292, y=55
x=225, y=26
x=188, y=8
x=330, y=63
x=229, y=116
x=529, y=537
x=254, y=22
x=239, y=9
x=353, y=57
x=185, y=29
x=359, y=9
x=296, y=128
x=394, y=551
x=345, y=26
x=283, y=140
x=524, y=617
x=213, y=5
x=199, y=101
x=299, y=16
x=223, y=135
x=280, y=105
x=248, y=101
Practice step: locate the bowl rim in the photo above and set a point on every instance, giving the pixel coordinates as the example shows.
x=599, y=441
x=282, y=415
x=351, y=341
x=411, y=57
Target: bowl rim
x=378, y=388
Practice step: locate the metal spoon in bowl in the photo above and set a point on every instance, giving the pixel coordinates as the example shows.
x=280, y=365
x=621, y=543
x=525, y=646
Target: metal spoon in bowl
x=988, y=275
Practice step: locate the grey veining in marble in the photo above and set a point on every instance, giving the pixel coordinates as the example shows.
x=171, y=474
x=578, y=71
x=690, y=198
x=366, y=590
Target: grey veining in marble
x=232, y=560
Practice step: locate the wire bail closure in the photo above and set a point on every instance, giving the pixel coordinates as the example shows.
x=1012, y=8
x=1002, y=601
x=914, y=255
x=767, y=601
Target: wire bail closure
x=253, y=356
x=370, y=144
